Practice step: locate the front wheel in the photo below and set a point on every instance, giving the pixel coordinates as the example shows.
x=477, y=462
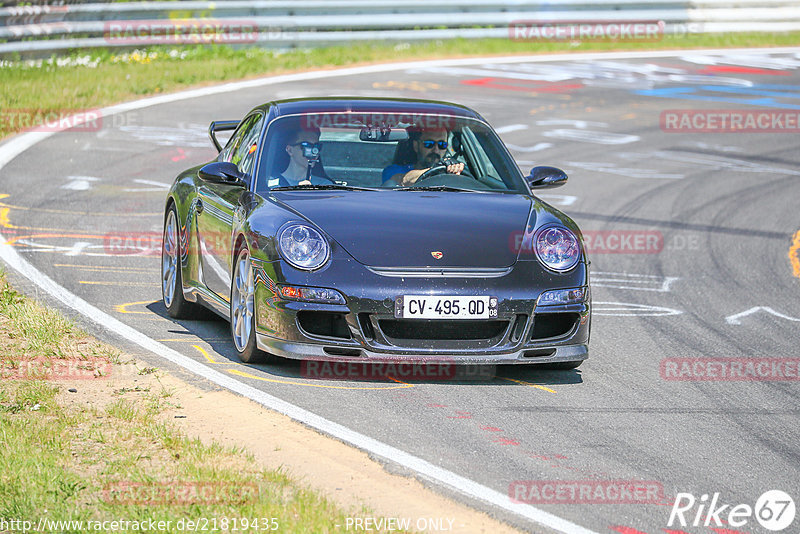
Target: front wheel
x=243, y=312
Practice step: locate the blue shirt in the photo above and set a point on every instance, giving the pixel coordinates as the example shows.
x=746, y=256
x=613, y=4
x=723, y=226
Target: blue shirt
x=393, y=169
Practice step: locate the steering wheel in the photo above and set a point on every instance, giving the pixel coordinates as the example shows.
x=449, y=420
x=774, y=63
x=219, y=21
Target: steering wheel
x=442, y=167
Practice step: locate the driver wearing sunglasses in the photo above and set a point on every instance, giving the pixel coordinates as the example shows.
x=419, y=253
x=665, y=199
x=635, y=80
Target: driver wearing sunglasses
x=303, y=146
x=430, y=147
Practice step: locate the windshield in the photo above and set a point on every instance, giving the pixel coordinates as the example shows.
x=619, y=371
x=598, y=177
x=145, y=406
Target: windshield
x=386, y=152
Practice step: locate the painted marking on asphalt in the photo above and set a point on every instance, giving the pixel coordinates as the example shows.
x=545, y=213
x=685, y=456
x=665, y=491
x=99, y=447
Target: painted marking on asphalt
x=580, y=124
x=630, y=172
x=420, y=87
x=511, y=128
x=794, y=254
x=79, y=183
x=535, y=148
x=5, y=222
x=14, y=240
x=591, y=136
x=537, y=386
x=735, y=319
x=192, y=339
x=20, y=143
x=116, y=214
x=647, y=282
x=77, y=248
x=114, y=283
x=123, y=308
x=325, y=386
x=558, y=200
x=108, y=269
x=154, y=186
x=209, y=359
x=627, y=309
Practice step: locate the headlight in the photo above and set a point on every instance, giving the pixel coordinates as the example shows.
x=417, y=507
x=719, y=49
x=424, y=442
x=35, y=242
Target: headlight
x=303, y=246
x=557, y=248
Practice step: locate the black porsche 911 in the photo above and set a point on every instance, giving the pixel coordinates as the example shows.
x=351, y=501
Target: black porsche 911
x=366, y=230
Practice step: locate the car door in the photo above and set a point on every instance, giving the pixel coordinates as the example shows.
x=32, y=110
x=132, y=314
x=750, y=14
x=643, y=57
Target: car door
x=215, y=207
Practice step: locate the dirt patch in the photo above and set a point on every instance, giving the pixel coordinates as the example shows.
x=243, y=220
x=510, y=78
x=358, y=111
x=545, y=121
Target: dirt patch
x=341, y=473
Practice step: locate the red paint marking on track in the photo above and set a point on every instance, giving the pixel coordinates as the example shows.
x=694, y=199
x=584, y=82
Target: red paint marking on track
x=714, y=69
x=626, y=530
x=181, y=155
x=669, y=531
x=522, y=85
x=505, y=441
x=491, y=429
x=461, y=415
x=727, y=531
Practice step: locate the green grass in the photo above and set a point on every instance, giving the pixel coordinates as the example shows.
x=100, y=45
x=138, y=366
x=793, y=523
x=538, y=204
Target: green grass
x=66, y=461
x=117, y=76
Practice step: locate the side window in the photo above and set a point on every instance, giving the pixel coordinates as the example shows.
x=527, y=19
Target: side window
x=479, y=153
x=245, y=154
x=236, y=139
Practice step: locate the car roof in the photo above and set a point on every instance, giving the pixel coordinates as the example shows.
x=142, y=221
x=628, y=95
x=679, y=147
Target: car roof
x=366, y=104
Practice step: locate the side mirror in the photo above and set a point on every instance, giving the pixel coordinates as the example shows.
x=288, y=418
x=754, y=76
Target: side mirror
x=222, y=172
x=543, y=177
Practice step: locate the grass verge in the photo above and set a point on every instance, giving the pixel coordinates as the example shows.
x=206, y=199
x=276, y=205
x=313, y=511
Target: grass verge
x=33, y=90
x=63, y=461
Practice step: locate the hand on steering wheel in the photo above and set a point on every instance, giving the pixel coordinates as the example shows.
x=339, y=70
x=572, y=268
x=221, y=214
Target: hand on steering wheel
x=446, y=164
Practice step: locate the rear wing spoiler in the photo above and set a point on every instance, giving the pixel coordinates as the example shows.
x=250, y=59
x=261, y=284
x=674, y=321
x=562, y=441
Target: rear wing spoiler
x=220, y=126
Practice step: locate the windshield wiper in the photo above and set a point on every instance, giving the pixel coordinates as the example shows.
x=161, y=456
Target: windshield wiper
x=440, y=188
x=324, y=186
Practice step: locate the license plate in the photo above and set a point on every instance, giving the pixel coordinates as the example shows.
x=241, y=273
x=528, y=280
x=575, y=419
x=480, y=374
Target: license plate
x=445, y=307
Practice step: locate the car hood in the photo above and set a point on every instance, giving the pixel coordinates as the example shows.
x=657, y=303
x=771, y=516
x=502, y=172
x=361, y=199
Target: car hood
x=410, y=228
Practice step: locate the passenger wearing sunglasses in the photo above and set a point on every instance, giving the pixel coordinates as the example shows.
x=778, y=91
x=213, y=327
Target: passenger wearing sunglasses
x=430, y=147
x=302, y=147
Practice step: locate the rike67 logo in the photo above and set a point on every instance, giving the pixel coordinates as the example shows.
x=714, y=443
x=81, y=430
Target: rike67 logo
x=774, y=510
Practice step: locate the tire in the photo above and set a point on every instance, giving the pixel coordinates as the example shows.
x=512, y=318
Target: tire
x=243, y=329
x=171, y=278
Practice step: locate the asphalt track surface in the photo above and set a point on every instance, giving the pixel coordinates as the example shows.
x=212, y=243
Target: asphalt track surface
x=722, y=207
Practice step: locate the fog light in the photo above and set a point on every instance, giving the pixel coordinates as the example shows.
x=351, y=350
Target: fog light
x=312, y=294
x=563, y=296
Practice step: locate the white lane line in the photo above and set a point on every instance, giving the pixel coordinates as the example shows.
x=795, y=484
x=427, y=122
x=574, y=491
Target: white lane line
x=79, y=183
x=735, y=319
x=628, y=309
x=20, y=143
x=511, y=128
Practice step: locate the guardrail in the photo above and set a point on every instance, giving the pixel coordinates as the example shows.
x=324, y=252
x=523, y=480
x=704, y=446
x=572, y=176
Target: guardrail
x=38, y=30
